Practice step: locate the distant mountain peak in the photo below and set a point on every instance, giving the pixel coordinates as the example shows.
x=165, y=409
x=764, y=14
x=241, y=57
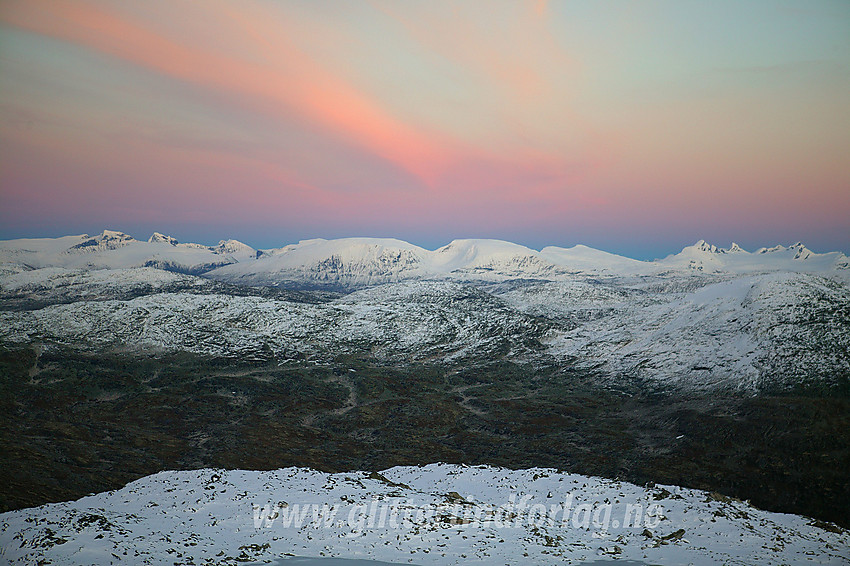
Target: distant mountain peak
x=156, y=238
x=115, y=235
x=107, y=240
x=801, y=251
x=703, y=246
x=234, y=247
x=774, y=249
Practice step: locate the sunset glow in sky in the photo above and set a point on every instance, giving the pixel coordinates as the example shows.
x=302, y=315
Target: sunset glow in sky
x=635, y=127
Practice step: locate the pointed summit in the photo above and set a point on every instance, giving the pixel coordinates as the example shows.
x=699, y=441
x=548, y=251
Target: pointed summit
x=801, y=251
x=234, y=248
x=703, y=246
x=157, y=238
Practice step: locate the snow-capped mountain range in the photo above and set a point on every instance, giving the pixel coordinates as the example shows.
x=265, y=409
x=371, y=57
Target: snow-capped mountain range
x=359, y=262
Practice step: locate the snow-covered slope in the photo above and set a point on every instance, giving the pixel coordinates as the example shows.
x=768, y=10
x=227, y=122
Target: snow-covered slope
x=436, y=514
x=751, y=332
x=59, y=285
x=490, y=259
x=585, y=259
x=706, y=257
x=412, y=320
x=116, y=250
x=572, y=301
x=349, y=262
x=358, y=262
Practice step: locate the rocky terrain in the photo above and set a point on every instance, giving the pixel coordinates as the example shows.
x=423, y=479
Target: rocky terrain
x=436, y=514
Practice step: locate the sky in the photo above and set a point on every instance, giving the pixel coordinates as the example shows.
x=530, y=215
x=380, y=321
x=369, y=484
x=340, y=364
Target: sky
x=636, y=127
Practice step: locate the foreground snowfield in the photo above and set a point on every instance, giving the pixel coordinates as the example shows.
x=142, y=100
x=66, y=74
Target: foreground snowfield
x=434, y=514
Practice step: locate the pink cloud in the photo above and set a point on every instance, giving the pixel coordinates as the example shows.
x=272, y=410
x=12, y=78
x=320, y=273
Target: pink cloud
x=292, y=85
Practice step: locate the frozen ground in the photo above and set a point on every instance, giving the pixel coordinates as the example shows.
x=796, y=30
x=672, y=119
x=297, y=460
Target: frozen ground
x=434, y=514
